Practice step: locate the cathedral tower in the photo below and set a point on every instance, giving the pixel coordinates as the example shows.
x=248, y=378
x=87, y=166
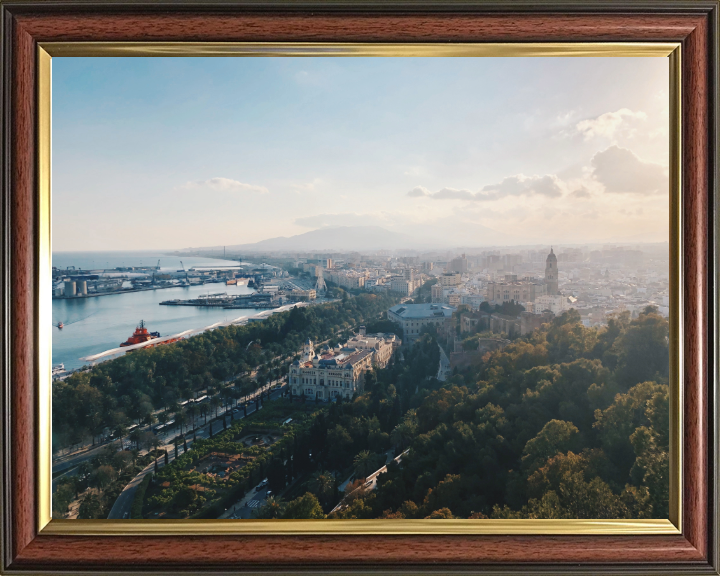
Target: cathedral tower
x=551, y=274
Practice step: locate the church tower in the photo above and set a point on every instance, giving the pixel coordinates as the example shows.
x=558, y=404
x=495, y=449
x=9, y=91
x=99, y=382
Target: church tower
x=551, y=274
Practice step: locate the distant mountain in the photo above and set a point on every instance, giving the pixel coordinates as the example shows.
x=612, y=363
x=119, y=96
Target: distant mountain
x=336, y=239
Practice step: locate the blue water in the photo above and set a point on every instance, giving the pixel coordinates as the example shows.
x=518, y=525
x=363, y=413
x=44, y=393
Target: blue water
x=93, y=325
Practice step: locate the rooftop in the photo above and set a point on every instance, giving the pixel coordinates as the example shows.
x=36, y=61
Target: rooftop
x=422, y=310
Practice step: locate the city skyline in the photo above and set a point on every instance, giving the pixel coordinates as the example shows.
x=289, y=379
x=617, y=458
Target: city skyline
x=469, y=152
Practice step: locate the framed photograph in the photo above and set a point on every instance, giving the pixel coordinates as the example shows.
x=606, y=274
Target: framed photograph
x=358, y=288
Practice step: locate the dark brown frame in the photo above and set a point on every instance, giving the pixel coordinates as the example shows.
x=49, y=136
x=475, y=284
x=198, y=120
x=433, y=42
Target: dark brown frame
x=694, y=23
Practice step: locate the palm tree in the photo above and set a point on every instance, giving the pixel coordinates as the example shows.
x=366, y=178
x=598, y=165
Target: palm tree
x=364, y=463
x=215, y=404
x=156, y=444
x=192, y=411
x=135, y=437
x=120, y=430
x=204, y=411
x=227, y=395
x=322, y=485
x=181, y=419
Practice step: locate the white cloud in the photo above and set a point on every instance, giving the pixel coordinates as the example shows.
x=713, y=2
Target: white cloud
x=548, y=185
x=453, y=194
x=621, y=171
x=225, y=185
x=582, y=192
x=608, y=124
x=308, y=186
x=419, y=191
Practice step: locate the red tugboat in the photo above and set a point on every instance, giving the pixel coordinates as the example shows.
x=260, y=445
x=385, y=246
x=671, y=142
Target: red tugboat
x=141, y=335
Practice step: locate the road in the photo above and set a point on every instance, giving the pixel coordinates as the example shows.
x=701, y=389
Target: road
x=122, y=505
x=71, y=461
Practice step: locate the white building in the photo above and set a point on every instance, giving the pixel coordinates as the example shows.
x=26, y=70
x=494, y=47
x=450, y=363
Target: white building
x=556, y=304
x=339, y=371
x=382, y=344
x=414, y=317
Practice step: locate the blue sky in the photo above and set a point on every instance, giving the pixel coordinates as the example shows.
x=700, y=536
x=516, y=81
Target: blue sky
x=167, y=153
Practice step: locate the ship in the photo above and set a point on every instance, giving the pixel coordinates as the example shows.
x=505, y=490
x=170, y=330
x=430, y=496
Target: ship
x=142, y=335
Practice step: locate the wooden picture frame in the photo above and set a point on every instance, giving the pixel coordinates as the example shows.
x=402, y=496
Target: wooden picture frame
x=31, y=547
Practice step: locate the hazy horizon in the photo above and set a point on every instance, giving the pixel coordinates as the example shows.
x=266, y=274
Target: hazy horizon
x=170, y=153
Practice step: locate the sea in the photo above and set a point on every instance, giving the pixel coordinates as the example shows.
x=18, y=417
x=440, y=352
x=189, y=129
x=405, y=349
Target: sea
x=94, y=325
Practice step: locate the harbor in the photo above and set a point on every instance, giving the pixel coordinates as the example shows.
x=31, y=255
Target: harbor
x=94, y=325
x=173, y=301
x=71, y=282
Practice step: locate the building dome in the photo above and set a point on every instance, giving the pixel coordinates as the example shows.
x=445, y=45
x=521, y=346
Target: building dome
x=551, y=257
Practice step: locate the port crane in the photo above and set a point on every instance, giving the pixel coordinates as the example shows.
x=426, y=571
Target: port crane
x=186, y=274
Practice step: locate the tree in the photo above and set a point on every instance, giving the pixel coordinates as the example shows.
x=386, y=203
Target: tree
x=365, y=462
x=340, y=442
x=272, y=508
x=276, y=475
x=215, y=404
x=120, y=431
x=322, y=484
x=90, y=507
x=192, y=412
x=147, y=440
x=442, y=513
x=305, y=507
x=556, y=436
x=619, y=421
x=642, y=350
x=184, y=498
x=103, y=476
x=135, y=437
x=181, y=419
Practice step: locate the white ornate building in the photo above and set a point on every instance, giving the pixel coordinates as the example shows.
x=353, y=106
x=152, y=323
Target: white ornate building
x=339, y=371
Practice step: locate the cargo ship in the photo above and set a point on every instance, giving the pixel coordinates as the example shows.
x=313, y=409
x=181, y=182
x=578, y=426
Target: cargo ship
x=142, y=335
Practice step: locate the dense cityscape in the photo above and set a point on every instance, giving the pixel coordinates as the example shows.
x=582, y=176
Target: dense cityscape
x=332, y=401
x=361, y=288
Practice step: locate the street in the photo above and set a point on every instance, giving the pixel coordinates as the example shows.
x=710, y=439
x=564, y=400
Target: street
x=125, y=499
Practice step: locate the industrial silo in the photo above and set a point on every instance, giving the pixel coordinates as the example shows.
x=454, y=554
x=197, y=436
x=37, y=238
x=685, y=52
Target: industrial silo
x=70, y=288
x=81, y=287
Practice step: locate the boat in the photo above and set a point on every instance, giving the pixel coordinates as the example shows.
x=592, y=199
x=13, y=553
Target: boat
x=142, y=335
x=60, y=325
x=58, y=369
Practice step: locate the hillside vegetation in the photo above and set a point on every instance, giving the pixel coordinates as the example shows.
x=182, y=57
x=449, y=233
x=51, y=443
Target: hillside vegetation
x=568, y=422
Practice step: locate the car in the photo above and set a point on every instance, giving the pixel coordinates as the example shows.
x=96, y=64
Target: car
x=268, y=493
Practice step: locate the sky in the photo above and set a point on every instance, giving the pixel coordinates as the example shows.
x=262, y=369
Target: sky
x=170, y=153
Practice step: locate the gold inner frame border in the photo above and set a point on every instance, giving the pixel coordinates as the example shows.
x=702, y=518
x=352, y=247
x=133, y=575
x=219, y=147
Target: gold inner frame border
x=48, y=525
